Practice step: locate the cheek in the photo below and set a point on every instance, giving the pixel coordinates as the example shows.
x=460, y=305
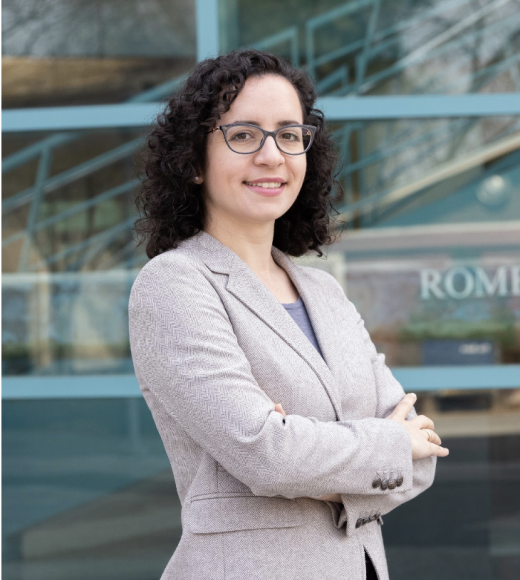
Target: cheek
x=213, y=161
x=222, y=166
x=300, y=170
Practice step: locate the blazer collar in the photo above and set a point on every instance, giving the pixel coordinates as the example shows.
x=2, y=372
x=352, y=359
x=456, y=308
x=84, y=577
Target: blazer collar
x=252, y=292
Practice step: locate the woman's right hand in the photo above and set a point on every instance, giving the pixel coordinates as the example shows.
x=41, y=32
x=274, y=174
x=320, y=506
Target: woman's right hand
x=417, y=430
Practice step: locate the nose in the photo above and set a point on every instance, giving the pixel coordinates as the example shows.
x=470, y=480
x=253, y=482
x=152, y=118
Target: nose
x=269, y=154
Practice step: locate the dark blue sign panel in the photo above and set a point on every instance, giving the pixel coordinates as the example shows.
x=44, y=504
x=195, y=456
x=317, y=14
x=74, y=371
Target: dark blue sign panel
x=458, y=352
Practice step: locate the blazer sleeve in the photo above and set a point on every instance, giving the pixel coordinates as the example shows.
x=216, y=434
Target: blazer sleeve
x=419, y=473
x=187, y=358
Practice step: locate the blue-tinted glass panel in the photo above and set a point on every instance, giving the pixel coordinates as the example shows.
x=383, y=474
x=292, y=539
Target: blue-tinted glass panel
x=69, y=253
x=430, y=252
x=373, y=47
x=87, y=491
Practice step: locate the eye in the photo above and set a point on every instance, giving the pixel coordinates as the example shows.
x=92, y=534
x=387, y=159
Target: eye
x=290, y=136
x=241, y=136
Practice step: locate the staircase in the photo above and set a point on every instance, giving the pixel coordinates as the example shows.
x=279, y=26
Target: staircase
x=70, y=221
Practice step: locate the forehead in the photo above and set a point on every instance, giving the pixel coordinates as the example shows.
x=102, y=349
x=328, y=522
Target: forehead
x=265, y=99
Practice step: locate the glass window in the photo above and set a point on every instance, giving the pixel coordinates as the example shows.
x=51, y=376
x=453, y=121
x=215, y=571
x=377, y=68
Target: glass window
x=70, y=256
x=433, y=213
x=430, y=256
x=87, y=491
x=370, y=47
x=79, y=52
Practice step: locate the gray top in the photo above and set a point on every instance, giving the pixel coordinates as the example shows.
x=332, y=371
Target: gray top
x=299, y=314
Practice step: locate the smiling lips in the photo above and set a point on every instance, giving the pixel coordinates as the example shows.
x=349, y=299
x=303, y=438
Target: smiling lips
x=267, y=187
x=265, y=184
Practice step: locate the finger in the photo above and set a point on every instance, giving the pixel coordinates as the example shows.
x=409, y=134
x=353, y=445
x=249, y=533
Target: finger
x=439, y=451
x=279, y=409
x=423, y=422
x=434, y=438
x=404, y=407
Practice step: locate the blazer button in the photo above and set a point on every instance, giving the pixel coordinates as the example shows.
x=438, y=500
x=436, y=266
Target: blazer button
x=399, y=481
x=359, y=523
x=376, y=483
x=384, y=484
x=392, y=484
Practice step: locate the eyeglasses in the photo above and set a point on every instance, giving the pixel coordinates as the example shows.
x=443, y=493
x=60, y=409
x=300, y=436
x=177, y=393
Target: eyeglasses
x=245, y=138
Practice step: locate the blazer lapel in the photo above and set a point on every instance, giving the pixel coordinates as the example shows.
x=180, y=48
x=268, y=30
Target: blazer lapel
x=245, y=285
x=321, y=315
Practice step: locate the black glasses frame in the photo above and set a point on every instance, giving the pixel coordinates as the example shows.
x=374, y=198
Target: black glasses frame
x=273, y=134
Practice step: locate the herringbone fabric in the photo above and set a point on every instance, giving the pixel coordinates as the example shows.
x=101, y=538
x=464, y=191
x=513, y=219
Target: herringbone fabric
x=212, y=349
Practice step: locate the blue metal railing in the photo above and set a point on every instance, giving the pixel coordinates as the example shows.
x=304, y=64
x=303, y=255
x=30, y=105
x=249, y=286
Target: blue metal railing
x=141, y=109
x=351, y=75
x=413, y=379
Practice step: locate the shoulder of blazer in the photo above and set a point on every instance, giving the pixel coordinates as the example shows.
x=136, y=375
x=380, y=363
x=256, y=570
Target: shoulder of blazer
x=201, y=251
x=322, y=278
x=170, y=272
x=317, y=275
x=171, y=260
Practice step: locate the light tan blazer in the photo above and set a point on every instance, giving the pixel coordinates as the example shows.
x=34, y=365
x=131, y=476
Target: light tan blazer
x=212, y=349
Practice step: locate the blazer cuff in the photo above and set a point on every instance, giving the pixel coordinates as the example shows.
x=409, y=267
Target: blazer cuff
x=354, y=513
x=391, y=474
x=389, y=467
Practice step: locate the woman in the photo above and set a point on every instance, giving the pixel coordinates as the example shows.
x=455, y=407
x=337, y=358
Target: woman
x=223, y=325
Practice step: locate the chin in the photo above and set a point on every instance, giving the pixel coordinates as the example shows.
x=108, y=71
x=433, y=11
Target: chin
x=263, y=217
x=270, y=212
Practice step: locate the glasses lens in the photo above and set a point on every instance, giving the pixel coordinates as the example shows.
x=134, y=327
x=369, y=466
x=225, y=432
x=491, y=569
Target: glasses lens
x=244, y=138
x=294, y=139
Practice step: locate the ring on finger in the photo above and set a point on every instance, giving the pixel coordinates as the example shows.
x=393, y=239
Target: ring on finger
x=429, y=434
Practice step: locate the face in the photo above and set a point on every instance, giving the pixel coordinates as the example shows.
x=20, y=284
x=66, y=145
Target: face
x=232, y=182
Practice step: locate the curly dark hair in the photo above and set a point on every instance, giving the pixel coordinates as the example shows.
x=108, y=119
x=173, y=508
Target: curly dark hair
x=172, y=206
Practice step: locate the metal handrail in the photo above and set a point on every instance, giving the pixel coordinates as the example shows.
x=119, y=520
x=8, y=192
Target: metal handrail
x=371, y=45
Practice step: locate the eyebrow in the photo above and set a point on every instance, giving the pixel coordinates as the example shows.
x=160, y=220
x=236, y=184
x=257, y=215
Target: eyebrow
x=280, y=123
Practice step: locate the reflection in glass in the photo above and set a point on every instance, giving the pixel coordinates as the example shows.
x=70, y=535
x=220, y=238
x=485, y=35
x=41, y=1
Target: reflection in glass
x=87, y=489
x=381, y=48
x=74, y=222
x=431, y=258
x=79, y=52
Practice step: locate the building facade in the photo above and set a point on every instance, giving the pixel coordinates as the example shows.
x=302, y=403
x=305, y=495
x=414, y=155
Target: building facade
x=422, y=99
